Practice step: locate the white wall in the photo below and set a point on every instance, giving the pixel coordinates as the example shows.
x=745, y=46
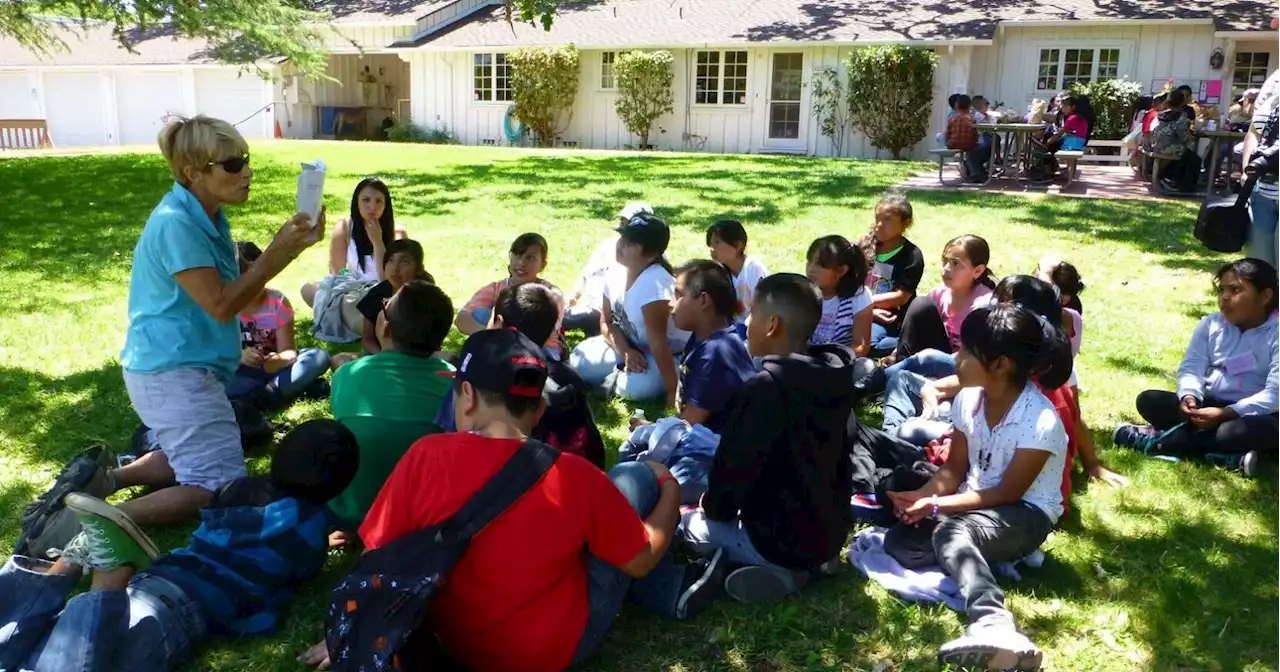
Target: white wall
x=442, y=95
x=298, y=117
x=369, y=38
x=1007, y=70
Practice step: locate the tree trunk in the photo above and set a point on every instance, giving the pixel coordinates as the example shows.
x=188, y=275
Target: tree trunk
x=644, y=139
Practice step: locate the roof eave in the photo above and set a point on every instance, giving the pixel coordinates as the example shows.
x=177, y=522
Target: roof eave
x=1081, y=23
x=406, y=45
x=1246, y=34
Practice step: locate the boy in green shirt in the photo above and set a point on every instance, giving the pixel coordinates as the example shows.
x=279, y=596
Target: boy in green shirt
x=389, y=400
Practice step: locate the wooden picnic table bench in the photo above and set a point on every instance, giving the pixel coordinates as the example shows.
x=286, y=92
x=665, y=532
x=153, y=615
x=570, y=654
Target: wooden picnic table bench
x=25, y=134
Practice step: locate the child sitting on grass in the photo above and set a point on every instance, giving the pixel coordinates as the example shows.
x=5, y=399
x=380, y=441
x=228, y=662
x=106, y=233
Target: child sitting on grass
x=1228, y=382
x=839, y=269
x=401, y=263
x=567, y=424
x=778, y=493
x=728, y=243
x=715, y=364
x=1066, y=278
x=896, y=268
x=526, y=259
x=999, y=493
x=259, y=538
x=272, y=373
x=388, y=399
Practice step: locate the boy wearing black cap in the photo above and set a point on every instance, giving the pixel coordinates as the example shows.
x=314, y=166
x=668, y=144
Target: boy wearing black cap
x=526, y=597
x=777, y=500
x=634, y=356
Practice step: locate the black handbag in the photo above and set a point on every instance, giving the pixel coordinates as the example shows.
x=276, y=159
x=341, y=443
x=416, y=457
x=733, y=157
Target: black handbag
x=1224, y=221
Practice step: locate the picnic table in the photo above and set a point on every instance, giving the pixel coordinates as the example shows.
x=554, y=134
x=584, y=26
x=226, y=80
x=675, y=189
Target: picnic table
x=1216, y=138
x=1017, y=150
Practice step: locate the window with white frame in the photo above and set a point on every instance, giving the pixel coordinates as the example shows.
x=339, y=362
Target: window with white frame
x=1059, y=68
x=607, y=80
x=720, y=78
x=1250, y=71
x=491, y=81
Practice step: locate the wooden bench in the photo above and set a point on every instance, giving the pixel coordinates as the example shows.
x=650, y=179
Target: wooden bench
x=1092, y=156
x=1069, y=159
x=1158, y=163
x=25, y=134
x=942, y=154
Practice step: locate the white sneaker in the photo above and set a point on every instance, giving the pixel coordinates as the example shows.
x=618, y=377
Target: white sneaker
x=991, y=647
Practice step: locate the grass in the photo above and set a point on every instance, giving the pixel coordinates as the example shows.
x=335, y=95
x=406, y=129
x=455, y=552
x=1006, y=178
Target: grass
x=1172, y=573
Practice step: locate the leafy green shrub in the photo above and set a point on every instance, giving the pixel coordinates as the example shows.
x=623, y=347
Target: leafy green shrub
x=404, y=130
x=890, y=94
x=544, y=82
x=644, y=90
x=829, y=105
x=1113, y=101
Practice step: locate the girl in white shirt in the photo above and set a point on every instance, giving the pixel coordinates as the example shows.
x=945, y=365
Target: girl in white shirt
x=358, y=244
x=634, y=355
x=727, y=240
x=999, y=493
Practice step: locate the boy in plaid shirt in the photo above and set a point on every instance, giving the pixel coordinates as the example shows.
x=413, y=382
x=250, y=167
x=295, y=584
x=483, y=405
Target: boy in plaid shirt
x=962, y=134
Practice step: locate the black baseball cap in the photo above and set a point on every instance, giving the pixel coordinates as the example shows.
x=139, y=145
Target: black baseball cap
x=648, y=230
x=503, y=361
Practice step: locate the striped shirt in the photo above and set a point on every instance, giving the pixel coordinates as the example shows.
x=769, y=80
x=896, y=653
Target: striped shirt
x=838, y=313
x=1264, y=113
x=481, y=307
x=258, y=329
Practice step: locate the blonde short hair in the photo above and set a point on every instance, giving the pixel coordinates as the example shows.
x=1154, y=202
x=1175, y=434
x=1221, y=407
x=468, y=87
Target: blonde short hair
x=197, y=141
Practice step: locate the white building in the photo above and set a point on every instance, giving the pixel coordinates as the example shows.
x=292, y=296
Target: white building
x=737, y=63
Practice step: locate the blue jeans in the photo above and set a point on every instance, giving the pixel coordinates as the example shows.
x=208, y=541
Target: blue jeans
x=705, y=536
x=607, y=586
x=1262, y=233
x=881, y=339
x=690, y=471
x=291, y=380
x=149, y=627
x=905, y=380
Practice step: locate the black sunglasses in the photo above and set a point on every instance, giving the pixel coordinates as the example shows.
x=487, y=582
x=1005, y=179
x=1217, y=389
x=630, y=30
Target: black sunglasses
x=234, y=164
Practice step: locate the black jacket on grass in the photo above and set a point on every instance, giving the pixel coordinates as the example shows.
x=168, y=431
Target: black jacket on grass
x=783, y=462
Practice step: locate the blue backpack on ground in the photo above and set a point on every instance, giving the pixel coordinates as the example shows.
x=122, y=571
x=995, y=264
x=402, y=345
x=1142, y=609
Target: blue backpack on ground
x=377, y=613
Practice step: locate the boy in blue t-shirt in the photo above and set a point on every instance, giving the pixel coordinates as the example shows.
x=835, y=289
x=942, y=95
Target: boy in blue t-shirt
x=259, y=539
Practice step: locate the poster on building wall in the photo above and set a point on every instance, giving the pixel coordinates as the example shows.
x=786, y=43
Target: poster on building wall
x=1206, y=91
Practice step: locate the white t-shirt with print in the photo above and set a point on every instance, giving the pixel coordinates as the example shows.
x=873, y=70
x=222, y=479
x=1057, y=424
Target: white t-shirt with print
x=1031, y=423
x=744, y=283
x=836, y=324
x=596, y=273
x=653, y=284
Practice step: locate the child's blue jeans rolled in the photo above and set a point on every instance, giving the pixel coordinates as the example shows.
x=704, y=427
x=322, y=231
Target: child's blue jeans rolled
x=312, y=363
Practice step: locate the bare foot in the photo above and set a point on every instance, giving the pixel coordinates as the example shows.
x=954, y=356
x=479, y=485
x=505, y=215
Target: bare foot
x=317, y=655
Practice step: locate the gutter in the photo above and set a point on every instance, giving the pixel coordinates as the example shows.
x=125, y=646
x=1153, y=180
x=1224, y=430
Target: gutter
x=790, y=44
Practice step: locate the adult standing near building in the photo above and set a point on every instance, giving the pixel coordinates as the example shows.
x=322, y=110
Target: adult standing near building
x=183, y=342
x=1261, y=142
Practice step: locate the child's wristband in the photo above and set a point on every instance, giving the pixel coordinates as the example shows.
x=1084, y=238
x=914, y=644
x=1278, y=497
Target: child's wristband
x=664, y=478
x=933, y=511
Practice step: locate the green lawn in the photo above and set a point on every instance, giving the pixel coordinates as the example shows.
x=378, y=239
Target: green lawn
x=1175, y=572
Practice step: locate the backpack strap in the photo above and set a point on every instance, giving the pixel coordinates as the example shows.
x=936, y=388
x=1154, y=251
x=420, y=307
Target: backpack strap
x=522, y=471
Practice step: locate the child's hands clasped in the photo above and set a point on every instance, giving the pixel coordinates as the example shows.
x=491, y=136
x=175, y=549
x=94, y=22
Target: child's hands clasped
x=251, y=358
x=910, y=507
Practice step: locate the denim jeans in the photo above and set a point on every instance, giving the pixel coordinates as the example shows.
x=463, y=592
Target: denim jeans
x=194, y=424
x=580, y=317
x=600, y=364
x=291, y=380
x=966, y=545
x=704, y=536
x=690, y=471
x=881, y=338
x=149, y=627
x=607, y=586
x=1262, y=233
x=906, y=379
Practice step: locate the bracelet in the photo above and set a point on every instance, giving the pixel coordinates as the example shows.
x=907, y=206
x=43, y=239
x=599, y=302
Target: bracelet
x=933, y=501
x=665, y=478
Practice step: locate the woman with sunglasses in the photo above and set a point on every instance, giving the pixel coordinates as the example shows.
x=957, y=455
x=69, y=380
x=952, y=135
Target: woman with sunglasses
x=183, y=342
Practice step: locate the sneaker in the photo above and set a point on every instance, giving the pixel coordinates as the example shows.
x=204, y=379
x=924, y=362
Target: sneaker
x=318, y=390
x=1245, y=463
x=703, y=582
x=112, y=539
x=832, y=567
x=44, y=525
x=759, y=584
x=1142, y=438
x=994, y=647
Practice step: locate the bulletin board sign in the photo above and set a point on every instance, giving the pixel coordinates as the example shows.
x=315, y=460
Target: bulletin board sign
x=1207, y=91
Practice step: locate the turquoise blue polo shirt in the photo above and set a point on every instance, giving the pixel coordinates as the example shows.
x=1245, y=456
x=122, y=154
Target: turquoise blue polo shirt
x=167, y=328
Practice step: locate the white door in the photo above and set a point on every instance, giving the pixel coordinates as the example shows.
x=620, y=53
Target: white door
x=17, y=98
x=235, y=98
x=144, y=100
x=74, y=105
x=785, y=117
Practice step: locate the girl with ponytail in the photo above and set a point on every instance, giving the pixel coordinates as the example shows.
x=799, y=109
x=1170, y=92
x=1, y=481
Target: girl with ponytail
x=1000, y=491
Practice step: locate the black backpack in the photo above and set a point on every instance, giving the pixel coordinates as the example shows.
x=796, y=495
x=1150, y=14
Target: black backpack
x=377, y=613
x=1223, y=223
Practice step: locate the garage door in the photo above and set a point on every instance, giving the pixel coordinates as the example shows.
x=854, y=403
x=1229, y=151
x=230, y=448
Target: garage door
x=17, y=101
x=236, y=98
x=144, y=100
x=74, y=105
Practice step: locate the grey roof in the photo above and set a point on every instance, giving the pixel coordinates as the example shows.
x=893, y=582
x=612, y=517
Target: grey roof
x=638, y=23
x=380, y=11
x=95, y=45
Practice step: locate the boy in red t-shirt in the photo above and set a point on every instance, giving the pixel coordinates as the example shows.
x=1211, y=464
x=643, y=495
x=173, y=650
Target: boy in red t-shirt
x=539, y=587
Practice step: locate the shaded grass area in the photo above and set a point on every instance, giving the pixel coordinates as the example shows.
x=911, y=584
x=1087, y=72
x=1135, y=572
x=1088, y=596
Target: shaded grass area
x=1173, y=573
